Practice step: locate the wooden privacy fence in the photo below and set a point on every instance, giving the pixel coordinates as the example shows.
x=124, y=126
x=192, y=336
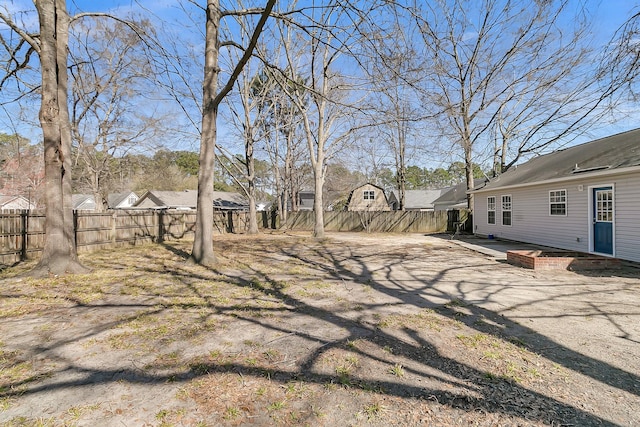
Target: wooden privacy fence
x=22, y=232
x=373, y=221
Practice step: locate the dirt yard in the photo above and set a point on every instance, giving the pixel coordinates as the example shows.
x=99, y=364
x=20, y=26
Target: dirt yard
x=351, y=330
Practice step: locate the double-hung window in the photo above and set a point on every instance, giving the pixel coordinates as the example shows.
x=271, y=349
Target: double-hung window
x=558, y=202
x=369, y=195
x=506, y=210
x=491, y=210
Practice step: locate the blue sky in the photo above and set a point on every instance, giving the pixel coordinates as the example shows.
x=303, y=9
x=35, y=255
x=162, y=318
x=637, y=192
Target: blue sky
x=609, y=15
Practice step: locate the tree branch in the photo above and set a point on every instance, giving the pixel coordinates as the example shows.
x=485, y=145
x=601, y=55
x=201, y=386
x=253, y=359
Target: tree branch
x=247, y=53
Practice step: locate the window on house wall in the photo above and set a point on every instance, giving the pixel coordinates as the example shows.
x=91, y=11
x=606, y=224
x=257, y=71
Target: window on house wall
x=132, y=200
x=369, y=195
x=558, y=202
x=491, y=210
x=506, y=210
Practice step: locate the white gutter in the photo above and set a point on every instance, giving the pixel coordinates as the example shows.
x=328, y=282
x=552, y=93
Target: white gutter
x=579, y=176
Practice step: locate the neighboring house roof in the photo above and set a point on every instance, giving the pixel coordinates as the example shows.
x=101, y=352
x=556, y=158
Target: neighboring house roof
x=15, y=202
x=121, y=200
x=225, y=200
x=86, y=202
x=456, y=197
x=168, y=199
x=611, y=155
x=418, y=199
x=83, y=202
x=187, y=199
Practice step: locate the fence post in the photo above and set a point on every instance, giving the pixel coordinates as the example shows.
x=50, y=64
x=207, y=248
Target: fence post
x=229, y=221
x=160, y=225
x=75, y=228
x=25, y=234
x=114, y=228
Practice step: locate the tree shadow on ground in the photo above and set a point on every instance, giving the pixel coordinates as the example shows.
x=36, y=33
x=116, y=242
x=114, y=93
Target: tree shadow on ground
x=470, y=389
x=477, y=316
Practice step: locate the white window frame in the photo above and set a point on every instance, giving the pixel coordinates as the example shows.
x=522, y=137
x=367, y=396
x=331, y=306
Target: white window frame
x=491, y=207
x=560, y=199
x=506, y=207
x=369, y=195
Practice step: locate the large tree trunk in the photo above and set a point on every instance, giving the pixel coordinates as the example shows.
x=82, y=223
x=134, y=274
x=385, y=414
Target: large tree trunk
x=59, y=255
x=202, y=252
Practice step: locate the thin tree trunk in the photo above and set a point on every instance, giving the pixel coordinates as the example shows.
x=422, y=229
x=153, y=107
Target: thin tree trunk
x=468, y=168
x=253, y=214
x=318, y=226
x=202, y=252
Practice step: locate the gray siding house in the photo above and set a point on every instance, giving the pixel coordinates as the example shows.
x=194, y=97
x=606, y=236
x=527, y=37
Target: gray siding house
x=584, y=198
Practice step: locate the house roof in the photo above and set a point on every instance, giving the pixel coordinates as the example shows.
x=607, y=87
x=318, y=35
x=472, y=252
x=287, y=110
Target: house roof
x=14, y=200
x=83, y=202
x=188, y=199
x=6, y=199
x=457, y=195
x=173, y=199
x=612, y=154
x=420, y=199
x=113, y=200
x=226, y=201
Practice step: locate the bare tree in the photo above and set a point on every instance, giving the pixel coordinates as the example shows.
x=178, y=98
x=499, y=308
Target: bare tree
x=284, y=140
x=249, y=113
x=21, y=167
x=110, y=76
x=393, y=71
x=507, y=68
x=50, y=44
x=322, y=101
x=619, y=67
x=202, y=251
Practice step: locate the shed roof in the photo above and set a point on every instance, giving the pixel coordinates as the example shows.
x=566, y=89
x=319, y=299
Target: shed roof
x=364, y=185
